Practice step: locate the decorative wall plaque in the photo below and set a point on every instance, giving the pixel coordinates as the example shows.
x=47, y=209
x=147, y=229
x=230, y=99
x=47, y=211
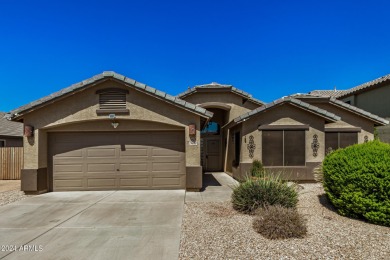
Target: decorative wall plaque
x=365, y=138
x=251, y=146
x=315, y=145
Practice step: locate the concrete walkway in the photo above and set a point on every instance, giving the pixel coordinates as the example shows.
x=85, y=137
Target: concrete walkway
x=93, y=225
x=217, y=186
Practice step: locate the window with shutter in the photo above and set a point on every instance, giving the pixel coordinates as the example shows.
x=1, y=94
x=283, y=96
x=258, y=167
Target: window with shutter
x=112, y=101
x=272, y=148
x=336, y=140
x=283, y=147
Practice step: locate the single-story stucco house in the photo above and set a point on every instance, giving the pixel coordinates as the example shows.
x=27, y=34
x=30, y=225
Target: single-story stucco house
x=111, y=132
x=11, y=133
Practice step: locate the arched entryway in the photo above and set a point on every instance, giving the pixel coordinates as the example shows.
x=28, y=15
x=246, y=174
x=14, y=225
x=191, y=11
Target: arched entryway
x=212, y=139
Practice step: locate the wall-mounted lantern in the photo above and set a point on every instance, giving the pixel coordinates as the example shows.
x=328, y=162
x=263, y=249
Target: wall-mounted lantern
x=192, y=134
x=192, y=130
x=28, y=131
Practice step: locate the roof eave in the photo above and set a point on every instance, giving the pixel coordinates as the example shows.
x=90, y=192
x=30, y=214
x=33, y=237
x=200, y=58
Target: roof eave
x=18, y=113
x=304, y=106
x=334, y=118
x=379, y=121
x=366, y=86
x=228, y=89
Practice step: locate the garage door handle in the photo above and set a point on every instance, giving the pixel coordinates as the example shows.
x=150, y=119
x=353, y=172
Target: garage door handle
x=117, y=170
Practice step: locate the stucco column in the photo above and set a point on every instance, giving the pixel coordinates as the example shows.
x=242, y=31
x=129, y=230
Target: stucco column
x=34, y=174
x=194, y=179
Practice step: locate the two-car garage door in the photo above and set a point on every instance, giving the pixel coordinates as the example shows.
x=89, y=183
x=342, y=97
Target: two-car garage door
x=109, y=161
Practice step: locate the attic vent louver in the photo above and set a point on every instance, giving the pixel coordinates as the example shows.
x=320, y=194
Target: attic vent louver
x=112, y=101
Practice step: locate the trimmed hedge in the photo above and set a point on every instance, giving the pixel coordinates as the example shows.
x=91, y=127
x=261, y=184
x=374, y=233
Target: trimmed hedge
x=357, y=181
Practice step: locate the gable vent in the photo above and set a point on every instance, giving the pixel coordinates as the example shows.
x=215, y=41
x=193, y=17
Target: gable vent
x=112, y=99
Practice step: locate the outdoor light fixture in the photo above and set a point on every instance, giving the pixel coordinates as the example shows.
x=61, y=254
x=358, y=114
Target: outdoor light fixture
x=192, y=129
x=28, y=131
x=113, y=123
x=192, y=134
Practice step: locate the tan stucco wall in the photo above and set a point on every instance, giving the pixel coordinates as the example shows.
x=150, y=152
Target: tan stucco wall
x=283, y=115
x=349, y=119
x=384, y=133
x=124, y=125
x=231, y=99
x=375, y=100
x=290, y=115
x=78, y=113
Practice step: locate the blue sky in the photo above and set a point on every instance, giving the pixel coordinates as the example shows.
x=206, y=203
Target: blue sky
x=267, y=48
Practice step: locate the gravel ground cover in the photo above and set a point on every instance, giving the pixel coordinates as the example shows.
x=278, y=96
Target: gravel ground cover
x=10, y=192
x=213, y=230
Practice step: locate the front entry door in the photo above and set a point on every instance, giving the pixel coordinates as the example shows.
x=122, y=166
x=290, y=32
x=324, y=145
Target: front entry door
x=212, y=154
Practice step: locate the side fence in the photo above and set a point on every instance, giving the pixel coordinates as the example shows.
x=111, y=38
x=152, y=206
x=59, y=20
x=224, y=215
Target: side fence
x=11, y=162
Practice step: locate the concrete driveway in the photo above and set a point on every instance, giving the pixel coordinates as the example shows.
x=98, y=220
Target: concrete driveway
x=93, y=225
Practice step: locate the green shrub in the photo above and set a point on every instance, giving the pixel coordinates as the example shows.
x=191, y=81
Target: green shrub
x=257, y=169
x=254, y=193
x=277, y=222
x=357, y=181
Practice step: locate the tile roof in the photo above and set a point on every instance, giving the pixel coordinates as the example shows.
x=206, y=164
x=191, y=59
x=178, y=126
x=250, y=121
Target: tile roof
x=221, y=86
x=333, y=100
x=366, y=85
x=307, y=96
x=379, y=120
x=351, y=91
x=10, y=128
x=321, y=112
x=110, y=74
x=327, y=93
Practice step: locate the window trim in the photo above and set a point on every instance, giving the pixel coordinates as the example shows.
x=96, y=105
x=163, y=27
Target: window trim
x=282, y=127
x=341, y=130
x=100, y=112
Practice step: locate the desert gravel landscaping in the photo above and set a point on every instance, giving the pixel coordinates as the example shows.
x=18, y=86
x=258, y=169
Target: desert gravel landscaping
x=213, y=230
x=10, y=192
